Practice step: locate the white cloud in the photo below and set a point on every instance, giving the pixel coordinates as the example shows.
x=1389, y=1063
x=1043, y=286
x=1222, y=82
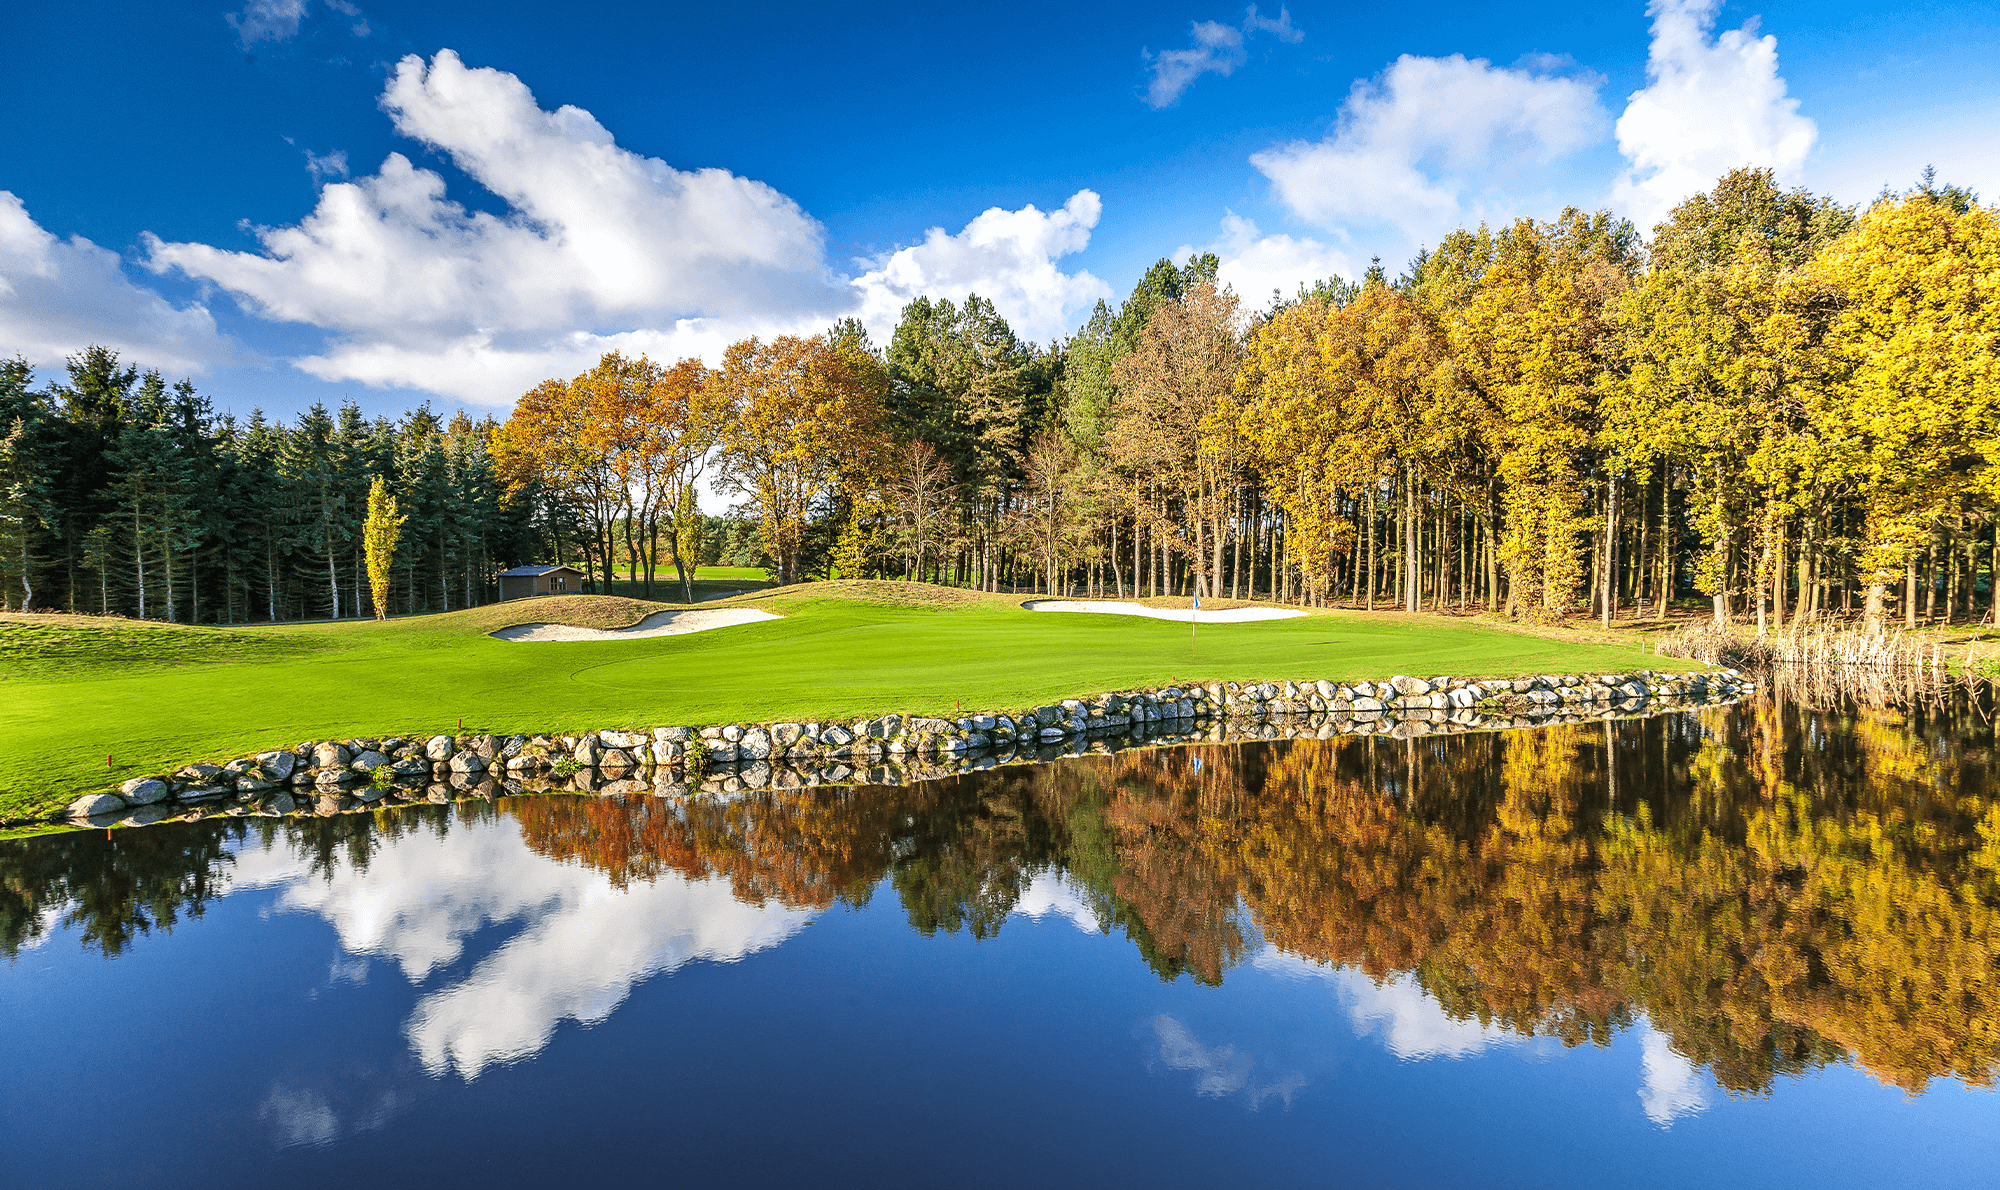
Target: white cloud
x=1217, y=49
x=1007, y=257
x=326, y=165
x=1709, y=106
x=279, y=20
x=1255, y=265
x=1413, y=147
x=599, y=247
x=267, y=20
x=1281, y=28
x=59, y=296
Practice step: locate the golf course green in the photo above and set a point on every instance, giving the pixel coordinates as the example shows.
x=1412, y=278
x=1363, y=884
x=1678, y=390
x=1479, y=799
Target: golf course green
x=86, y=702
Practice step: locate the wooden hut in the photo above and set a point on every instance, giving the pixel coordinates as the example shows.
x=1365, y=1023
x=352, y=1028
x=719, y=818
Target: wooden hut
x=524, y=581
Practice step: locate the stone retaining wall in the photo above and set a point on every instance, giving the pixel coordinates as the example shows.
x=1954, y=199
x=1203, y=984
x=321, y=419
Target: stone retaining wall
x=891, y=749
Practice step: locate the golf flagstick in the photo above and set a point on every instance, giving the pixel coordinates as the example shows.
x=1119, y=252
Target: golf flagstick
x=1192, y=617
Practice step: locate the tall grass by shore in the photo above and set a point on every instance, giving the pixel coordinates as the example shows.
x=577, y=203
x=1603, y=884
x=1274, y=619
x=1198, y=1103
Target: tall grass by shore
x=1812, y=646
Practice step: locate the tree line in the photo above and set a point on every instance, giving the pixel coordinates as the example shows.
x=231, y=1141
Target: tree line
x=121, y=494
x=1778, y=405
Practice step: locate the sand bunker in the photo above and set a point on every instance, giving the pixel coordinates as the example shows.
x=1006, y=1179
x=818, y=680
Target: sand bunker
x=1235, y=615
x=657, y=624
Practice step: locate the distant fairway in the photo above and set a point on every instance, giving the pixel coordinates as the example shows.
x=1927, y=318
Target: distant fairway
x=74, y=688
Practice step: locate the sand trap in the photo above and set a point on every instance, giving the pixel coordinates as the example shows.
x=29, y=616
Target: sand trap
x=657, y=624
x=1237, y=615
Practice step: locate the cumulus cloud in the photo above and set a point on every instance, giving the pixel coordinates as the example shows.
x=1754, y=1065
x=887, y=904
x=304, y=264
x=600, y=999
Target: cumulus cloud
x=1256, y=265
x=1710, y=104
x=1217, y=49
x=59, y=296
x=1007, y=257
x=1411, y=147
x=598, y=248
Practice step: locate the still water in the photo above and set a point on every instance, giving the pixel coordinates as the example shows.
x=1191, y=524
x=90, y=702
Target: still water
x=1755, y=946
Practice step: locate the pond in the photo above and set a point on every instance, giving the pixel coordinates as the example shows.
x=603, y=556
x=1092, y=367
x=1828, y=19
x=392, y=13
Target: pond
x=1754, y=945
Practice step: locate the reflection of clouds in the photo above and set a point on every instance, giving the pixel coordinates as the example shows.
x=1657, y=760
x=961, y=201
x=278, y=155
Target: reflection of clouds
x=1413, y=1026
x=1050, y=893
x=304, y=1116
x=1220, y=1071
x=580, y=961
x=584, y=944
x=1670, y=1086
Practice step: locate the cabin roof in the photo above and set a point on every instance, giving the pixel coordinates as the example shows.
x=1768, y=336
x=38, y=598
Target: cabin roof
x=536, y=571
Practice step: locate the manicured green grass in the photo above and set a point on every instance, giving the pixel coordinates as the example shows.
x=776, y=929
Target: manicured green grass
x=73, y=689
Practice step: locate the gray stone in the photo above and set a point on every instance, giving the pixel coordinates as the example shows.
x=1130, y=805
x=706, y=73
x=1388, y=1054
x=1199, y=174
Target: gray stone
x=754, y=744
x=198, y=774
x=785, y=735
x=438, y=747
x=586, y=752
x=626, y=740
x=96, y=803
x=732, y=733
x=668, y=752
x=721, y=753
x=1404, y=684
x=616, y=758
x=1368, y=704
x=330, y=756
x=143, y=791
x=836, y=737
x=368, y=762
x=411, y=766
x=252, y=784
x=467, y=762
x=672, y=735
x=933, y=726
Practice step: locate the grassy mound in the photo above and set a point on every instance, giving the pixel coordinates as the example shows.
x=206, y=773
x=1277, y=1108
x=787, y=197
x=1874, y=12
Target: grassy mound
x=155, y=696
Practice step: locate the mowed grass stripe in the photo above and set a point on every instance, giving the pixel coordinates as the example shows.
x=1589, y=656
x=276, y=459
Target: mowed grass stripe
x=843, y=650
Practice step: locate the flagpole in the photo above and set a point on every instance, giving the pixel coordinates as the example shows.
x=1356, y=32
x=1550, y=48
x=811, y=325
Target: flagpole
x=1194, y=613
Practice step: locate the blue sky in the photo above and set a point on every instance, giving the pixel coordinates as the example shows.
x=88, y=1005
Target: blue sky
x=297, y=200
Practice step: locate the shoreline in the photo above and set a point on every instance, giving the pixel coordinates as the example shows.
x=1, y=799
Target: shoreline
x=675, y=757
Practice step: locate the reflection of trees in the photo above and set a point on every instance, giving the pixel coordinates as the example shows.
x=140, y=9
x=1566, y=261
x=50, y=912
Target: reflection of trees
x=1775, y=887
x=110, y=890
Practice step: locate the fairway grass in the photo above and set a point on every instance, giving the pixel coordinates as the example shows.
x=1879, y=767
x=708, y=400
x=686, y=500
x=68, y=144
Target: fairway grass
x=76, y=689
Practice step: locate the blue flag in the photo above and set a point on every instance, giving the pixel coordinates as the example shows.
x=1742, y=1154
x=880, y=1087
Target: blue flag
x=1197, y=603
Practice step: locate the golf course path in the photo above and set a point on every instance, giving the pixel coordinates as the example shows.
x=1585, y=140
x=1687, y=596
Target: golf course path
x=657, y=624
x=1235, y=615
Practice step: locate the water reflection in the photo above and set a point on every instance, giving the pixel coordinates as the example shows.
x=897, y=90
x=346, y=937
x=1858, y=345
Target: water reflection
x=1760, y=890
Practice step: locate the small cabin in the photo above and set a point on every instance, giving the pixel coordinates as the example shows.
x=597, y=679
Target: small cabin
x=524, y=581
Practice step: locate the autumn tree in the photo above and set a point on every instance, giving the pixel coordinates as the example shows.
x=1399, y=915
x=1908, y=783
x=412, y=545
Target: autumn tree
x=803, y=423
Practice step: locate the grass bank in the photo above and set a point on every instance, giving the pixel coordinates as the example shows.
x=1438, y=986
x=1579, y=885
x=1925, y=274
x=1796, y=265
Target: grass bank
x=75, y=689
